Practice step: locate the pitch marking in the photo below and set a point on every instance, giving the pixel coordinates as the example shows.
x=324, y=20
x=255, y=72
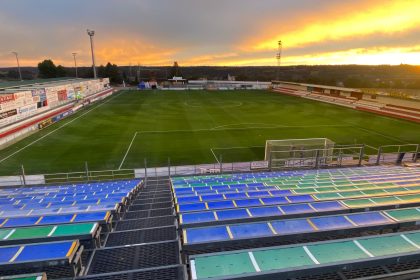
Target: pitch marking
x=214, y=155
x=58, y=128
x=128, y=150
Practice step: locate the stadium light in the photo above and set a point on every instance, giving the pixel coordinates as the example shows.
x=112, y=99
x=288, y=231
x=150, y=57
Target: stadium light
x=75, y=63
x=91, y=33
x=278, y=57
x=18, y=65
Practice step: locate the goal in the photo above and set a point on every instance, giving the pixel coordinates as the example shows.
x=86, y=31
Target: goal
x=290, y=152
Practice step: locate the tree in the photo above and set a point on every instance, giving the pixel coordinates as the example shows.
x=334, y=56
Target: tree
x=47, y=69
x=61, y=71
x=175, y=70
x=110, y=71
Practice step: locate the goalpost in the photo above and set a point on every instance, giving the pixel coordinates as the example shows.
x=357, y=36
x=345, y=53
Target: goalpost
x=298, y=152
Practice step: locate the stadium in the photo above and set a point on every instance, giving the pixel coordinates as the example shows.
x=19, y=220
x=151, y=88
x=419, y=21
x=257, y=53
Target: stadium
x=220, y=183
x=272, y=172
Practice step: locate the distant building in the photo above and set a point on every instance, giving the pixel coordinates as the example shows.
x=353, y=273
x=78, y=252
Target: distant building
x=231, y=78
x=178, y=81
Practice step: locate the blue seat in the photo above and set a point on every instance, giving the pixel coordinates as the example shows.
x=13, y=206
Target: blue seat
x=274, y=200
x=292, y=226
x=300, y=198
x=90, y=217
x=191, y=218
x=248, y=202
x=220, y=204
x=210, y=197
x=369, y=218
x=281, y=192
x=208, y=234
x=297, y=209
x=21, y=221
x=328, y=206
x=7, y=253
x=188, y=199
x=331, y=222
x=265, y=211
x=232, y=214
x=192, y=207
x=258, y=193
x=220, y=187
x=44, y=251
x=236, y=195
x=250, y=230
x=238, y=186
x=58, y=219
x=255, y=184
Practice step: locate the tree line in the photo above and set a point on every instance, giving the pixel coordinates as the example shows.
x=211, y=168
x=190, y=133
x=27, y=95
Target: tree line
x=47, y=69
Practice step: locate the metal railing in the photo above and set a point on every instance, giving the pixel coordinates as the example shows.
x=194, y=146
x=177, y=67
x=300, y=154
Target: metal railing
x=315, y=158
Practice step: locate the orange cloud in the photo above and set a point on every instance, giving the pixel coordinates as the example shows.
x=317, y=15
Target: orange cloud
x=383, y=17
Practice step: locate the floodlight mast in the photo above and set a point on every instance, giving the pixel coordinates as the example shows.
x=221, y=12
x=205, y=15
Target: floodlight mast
x=91, y=33
x=75, y=62
x=278, y=56
x=18, y=65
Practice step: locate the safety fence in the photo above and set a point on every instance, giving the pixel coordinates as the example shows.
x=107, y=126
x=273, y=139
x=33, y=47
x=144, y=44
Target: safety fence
x=340, y=156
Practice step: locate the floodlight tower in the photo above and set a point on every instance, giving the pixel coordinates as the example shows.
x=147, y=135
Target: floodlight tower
x=75, y=63
x=91, y=33
x=18, y=65
x=278, y=56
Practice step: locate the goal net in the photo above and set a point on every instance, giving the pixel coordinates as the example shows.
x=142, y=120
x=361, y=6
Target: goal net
x=303, y=151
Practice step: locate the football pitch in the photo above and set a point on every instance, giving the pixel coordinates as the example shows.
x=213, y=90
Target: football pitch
x=192, y=127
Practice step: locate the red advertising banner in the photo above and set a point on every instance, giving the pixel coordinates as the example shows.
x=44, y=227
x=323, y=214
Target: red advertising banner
x=6, y=98
x=62, y=95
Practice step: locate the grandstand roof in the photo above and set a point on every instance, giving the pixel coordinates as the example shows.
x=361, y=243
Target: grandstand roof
x=14, y=86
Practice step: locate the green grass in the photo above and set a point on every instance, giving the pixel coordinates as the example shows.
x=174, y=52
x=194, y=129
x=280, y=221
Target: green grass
x=186, y=125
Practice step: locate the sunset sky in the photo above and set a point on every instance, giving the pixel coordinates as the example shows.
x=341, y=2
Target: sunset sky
x=211, y=32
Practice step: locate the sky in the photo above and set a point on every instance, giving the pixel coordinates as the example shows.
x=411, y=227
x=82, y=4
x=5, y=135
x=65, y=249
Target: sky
x=211, y=32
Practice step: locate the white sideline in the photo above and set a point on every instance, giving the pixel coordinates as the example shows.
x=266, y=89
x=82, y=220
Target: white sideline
x=128, y=150
x=214, y=155
x=58, y=128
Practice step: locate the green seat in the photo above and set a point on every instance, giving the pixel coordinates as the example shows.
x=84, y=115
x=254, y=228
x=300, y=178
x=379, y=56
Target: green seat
x=351, y=194
x=386, y=200
x=358, y=203
x=404, y=214
x=282, y=258
x=223, y=265
x=343, y=251
x=387, y=245
x=374, y=192
x=346, y=188
x=47, y=231
x=326, y=196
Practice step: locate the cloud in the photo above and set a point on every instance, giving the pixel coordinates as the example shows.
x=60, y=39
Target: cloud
x=207, y=32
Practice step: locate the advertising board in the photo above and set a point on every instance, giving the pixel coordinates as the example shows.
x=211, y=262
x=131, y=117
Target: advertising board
x=8, y=114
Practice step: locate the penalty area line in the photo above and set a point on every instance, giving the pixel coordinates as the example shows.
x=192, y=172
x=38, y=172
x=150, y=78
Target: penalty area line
x=128, y=150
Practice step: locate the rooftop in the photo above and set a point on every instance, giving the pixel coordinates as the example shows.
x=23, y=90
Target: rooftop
x=15, y=86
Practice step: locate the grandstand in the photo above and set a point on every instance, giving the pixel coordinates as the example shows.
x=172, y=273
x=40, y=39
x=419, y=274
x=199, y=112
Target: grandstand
x=265, y=224
x=353, y=98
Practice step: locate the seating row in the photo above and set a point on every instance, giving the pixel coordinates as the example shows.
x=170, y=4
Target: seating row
x=293, y=227
x=364, y=201
x=287, y=261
